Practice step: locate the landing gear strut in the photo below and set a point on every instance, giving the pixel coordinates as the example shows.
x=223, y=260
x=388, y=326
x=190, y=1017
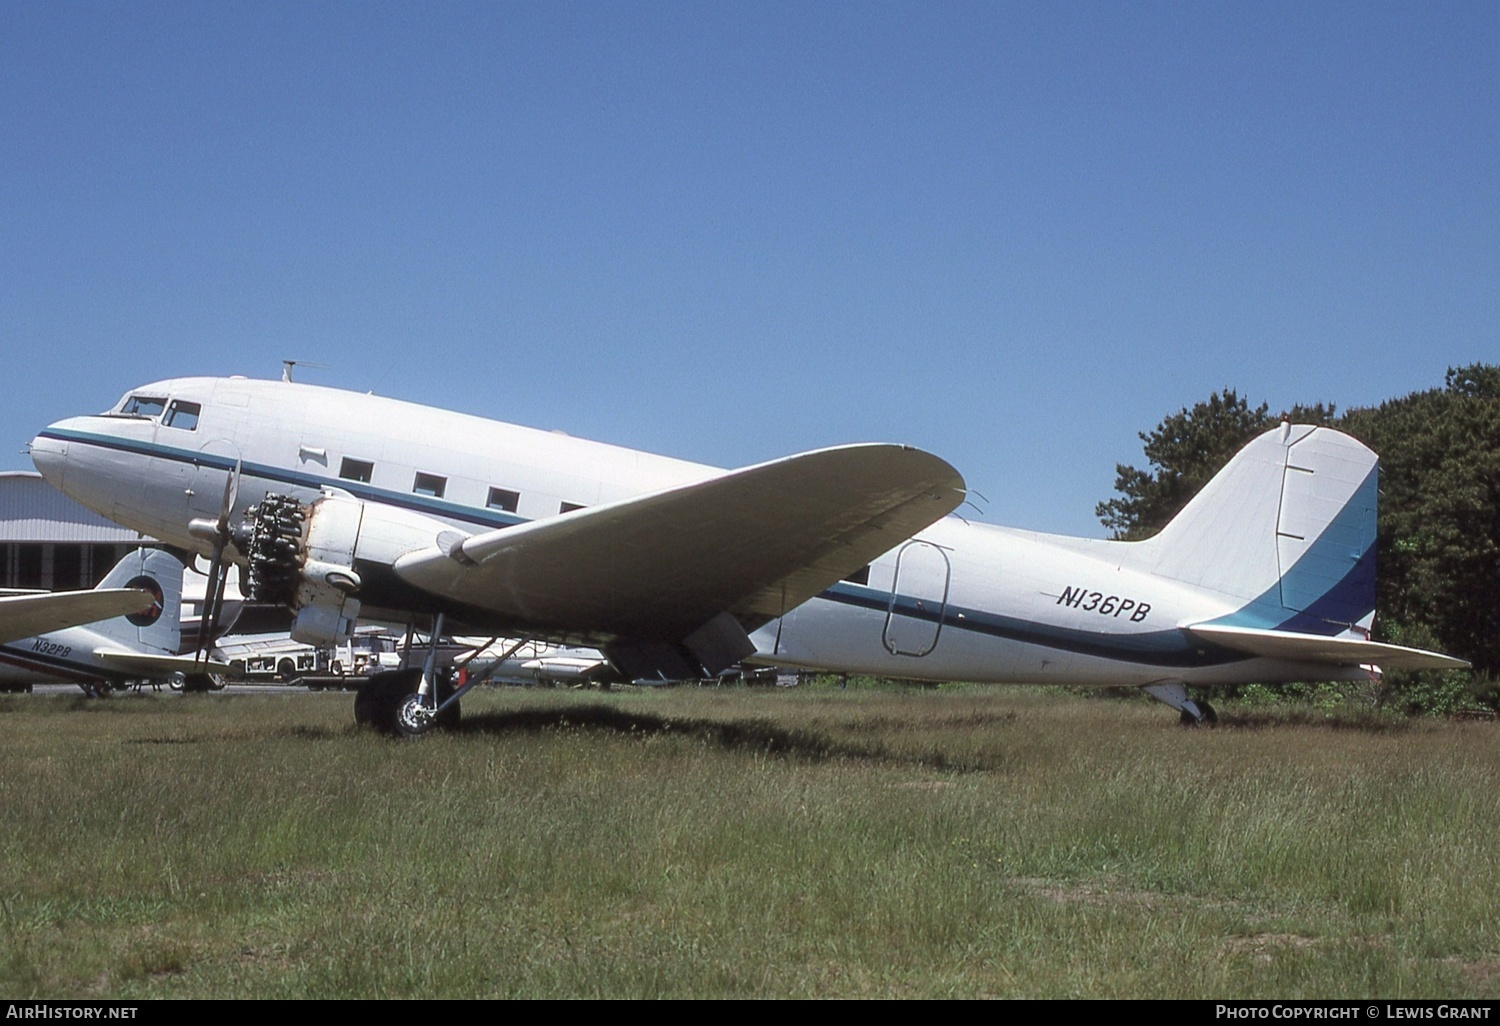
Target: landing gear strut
x=410, y=702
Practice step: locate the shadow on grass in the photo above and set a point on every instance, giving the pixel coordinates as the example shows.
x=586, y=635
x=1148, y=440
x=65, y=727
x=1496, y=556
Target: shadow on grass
x=731, y=735
x=298, y=732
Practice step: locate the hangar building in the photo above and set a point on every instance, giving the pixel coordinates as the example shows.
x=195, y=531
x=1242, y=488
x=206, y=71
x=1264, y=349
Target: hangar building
x=48, y=541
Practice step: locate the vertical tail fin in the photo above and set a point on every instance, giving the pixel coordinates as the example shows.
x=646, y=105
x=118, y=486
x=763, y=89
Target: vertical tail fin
x=160, y=627
x=1287, y=530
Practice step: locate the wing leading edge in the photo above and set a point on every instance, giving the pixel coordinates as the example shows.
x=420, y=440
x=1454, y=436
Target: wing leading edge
x=677, y=565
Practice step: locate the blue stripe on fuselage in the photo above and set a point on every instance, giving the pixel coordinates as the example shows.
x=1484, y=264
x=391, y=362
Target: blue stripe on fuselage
x=1173, y=647
x=51, y=665
x=417, y=503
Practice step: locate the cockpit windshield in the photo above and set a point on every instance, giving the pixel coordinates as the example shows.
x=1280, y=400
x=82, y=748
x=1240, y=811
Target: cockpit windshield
x=142, y=406
x=182, y=415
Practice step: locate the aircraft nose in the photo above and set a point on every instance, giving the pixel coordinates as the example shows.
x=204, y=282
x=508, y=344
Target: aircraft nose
x=50, y=456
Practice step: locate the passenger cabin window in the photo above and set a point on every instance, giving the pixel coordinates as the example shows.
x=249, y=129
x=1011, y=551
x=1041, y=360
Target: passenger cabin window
x=182, y=415
x=569, y=507
x=503, y=498
x=429, y=484
x=356, y=470
x=143, y=406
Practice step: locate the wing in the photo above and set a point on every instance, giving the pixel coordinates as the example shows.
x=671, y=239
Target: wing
x=22, y=616
x=750, y=543
x=1315, y=648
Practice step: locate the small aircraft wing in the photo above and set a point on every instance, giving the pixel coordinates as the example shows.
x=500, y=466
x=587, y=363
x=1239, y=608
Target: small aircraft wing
x=23, y=616
x=1315, y=648
x=564, y=667
x=752, y=543
x=155, y=664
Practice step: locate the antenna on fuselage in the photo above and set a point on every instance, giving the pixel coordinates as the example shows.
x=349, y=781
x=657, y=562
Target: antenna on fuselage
x=287, y=365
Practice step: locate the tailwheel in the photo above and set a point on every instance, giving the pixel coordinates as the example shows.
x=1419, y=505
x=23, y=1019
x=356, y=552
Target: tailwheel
x=1191, y=712
x=1208, y=716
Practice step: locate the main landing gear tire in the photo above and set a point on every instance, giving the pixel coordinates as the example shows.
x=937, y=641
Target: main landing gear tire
x=1210, y=716
x=389, y=703
x=200, y=682
x=375, y=701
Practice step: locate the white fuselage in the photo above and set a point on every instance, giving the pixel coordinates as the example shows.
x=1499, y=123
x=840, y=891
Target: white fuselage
x=61, y=656
x=960, y=601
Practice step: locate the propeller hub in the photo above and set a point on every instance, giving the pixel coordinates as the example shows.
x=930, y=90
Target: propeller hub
x=204, y=529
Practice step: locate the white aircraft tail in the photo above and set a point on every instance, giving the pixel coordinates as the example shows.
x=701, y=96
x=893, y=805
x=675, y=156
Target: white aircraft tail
x=159, y=628
x=1287, y=530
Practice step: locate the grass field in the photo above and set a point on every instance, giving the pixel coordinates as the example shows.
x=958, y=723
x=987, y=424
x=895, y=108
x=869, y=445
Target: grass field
x=741, y=842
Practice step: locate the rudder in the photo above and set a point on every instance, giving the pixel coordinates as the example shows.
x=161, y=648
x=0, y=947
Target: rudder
x=160, y=627
x=1287, y=529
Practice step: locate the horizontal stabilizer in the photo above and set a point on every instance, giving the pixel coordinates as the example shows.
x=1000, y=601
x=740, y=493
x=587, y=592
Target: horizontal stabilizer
x=752, y=543
x=23, y=616
x=1316, y=648
x=150, y=664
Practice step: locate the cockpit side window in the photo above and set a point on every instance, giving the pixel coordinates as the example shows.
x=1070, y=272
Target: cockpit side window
x=182, y=415
x=143, y=406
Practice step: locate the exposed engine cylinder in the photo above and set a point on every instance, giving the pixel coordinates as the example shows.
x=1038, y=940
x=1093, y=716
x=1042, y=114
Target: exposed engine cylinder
x=302, y=557
x=272, y=538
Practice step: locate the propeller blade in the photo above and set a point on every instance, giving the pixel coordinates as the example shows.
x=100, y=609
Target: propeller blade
x=213, y=593
x=231, y=492
x=218, y=571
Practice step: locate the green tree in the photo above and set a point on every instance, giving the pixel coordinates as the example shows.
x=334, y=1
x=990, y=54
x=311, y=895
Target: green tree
x=1186, y=450
x=1438, y=551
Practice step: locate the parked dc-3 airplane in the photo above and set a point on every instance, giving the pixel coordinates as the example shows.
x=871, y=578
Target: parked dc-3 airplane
x=843, y=559
x=128, y=628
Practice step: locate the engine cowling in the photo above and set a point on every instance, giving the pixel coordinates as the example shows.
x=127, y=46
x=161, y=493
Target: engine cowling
x=302, y=557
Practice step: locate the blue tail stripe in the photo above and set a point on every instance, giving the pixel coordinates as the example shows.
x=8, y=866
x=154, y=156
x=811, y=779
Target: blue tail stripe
x=1349, y=600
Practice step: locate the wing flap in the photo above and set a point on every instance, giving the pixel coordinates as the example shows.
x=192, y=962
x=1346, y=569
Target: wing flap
x=1317, y=648
x=753, y=543
x=23, y=616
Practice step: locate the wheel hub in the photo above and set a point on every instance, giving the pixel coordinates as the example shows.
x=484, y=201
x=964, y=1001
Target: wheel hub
x=414, y=715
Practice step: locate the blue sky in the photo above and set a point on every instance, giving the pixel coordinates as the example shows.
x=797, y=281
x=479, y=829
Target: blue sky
x=1012, y=234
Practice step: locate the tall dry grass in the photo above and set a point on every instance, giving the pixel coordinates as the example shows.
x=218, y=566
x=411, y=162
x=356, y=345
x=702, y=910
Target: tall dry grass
x=979, y=842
